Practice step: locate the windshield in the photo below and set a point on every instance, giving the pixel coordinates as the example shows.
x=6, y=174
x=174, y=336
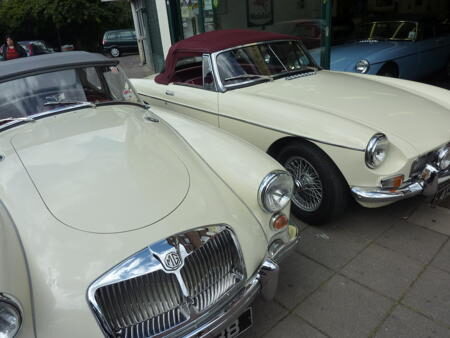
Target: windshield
x=389, y=30
x=262, y=62
x=64, y=89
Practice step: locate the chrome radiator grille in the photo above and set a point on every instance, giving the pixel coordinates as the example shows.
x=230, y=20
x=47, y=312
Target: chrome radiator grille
x=209, y=273
x=165, y=286
x=143, y=306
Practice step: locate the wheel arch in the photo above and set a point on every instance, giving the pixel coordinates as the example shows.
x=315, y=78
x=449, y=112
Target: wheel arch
x=390, y=63
x=276, y=147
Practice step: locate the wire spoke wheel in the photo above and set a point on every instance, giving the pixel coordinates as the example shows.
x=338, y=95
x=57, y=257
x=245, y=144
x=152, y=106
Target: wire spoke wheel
x=308, y=193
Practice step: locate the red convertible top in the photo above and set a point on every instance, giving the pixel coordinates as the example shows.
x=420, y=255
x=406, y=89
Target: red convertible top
x=211, y=42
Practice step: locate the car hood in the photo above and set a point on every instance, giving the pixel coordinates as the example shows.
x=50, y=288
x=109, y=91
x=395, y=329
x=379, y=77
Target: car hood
x=389, y=109
x=344, y=57
x=103, y=170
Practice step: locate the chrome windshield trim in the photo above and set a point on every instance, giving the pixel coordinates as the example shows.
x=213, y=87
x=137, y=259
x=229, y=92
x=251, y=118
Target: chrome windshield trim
x=38, y=116
x=214, y=56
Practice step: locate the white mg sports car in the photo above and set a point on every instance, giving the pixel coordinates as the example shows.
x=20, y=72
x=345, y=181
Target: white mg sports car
x=339, y=134
x=116, y=222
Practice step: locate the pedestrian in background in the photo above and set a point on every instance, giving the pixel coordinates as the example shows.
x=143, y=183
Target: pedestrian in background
x=12, y=50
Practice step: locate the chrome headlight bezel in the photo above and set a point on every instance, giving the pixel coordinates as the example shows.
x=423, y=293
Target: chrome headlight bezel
x=14, y=309
x=362, y=66
x=280, y=182
x=444, y=158
x=378, y=144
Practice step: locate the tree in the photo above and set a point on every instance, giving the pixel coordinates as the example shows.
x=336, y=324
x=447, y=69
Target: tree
x=78, y=21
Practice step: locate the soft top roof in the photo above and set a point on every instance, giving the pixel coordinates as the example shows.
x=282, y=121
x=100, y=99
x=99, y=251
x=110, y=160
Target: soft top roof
x=18, y=68
x=211, y=42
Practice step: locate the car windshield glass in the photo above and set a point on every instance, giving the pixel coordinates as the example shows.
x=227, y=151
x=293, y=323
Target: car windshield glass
x=389, y=30
x=262, y=62
x=64, y=89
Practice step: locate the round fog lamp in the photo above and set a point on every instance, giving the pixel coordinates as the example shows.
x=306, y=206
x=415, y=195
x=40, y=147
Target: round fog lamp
x=10, y=319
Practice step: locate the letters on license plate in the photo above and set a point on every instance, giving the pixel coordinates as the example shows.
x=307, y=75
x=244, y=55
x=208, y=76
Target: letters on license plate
x=240, y=325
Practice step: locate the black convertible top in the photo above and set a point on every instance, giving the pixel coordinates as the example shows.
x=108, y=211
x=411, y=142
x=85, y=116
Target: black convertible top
x=22, y=67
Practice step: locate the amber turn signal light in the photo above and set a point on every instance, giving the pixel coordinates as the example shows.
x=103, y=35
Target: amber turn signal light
x=393, y=183
x=279, y=221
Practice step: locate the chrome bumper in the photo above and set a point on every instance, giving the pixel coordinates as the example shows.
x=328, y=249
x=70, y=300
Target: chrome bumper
x=426, y=185
x=265, y=281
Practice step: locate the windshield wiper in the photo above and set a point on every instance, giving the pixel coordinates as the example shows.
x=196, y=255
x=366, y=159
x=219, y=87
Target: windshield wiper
x=57, y=103
x=300, y=71
x=249, y=76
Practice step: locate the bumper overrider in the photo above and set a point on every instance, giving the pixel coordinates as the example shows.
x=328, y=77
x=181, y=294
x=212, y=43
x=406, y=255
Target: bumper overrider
x=428, y=184
x=264, y=282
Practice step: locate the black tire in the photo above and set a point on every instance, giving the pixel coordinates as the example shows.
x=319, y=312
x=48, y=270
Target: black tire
x=334, y=188
x=389, y=70
x=115, y=52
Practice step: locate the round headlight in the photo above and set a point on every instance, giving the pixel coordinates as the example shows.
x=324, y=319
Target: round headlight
x=275, y=191
x=362, y=66
x=10, y=319
x=444, y=158
x=376, y=151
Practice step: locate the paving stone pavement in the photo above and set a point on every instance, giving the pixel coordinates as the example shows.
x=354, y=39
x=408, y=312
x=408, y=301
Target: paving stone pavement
x=373, y=273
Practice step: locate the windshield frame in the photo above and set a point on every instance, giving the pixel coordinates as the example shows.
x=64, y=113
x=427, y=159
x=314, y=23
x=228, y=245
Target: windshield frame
x=71, y=107
x=222, y=88
x=373, y=24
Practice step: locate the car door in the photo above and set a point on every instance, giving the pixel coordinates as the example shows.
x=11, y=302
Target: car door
x=191, y=93
x=125, y=39
x=430, y=51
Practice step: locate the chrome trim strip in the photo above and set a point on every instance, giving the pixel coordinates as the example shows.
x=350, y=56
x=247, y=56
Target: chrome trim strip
x=255, y=124
x=214, y=56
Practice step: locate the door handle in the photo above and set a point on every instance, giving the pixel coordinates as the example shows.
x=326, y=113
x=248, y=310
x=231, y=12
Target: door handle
x=170, y=93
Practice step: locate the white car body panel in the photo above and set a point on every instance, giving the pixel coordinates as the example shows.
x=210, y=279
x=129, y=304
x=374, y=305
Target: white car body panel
x=339, y=112
x=62, y=261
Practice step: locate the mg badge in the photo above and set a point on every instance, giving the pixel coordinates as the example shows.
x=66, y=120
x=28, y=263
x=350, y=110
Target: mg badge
x=172, y=261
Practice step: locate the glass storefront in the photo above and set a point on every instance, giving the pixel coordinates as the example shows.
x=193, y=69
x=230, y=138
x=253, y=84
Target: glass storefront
x=287, y=16
x=294, y=17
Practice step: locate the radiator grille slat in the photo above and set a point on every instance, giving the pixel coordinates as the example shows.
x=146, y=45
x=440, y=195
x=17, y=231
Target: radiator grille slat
x=153, y=303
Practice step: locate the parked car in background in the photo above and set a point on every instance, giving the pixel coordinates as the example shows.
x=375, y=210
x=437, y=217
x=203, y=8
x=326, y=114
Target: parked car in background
x=103, y=200
x=404, y=49
x=308, y=30
x=120, y=41
x=36, y=47
x=380, y=139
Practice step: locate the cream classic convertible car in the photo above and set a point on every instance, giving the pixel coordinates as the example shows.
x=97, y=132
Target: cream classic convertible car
x=115, y=221
x=339, y=134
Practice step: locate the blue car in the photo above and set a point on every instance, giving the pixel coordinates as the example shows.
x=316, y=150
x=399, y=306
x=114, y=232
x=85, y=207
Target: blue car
x=404, y=49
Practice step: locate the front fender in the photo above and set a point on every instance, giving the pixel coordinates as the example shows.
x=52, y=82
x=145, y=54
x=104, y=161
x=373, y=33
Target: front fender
x=14, y=277
x=239, y=164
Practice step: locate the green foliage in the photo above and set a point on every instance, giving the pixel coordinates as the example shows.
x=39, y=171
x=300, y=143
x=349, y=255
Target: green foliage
x=70, y=21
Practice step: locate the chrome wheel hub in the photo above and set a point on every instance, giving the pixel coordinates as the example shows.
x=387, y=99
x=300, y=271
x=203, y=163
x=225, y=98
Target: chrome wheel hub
x=308, y=193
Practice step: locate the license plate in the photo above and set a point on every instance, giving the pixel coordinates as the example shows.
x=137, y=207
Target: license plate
x=239, y=326
x=443, y=192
